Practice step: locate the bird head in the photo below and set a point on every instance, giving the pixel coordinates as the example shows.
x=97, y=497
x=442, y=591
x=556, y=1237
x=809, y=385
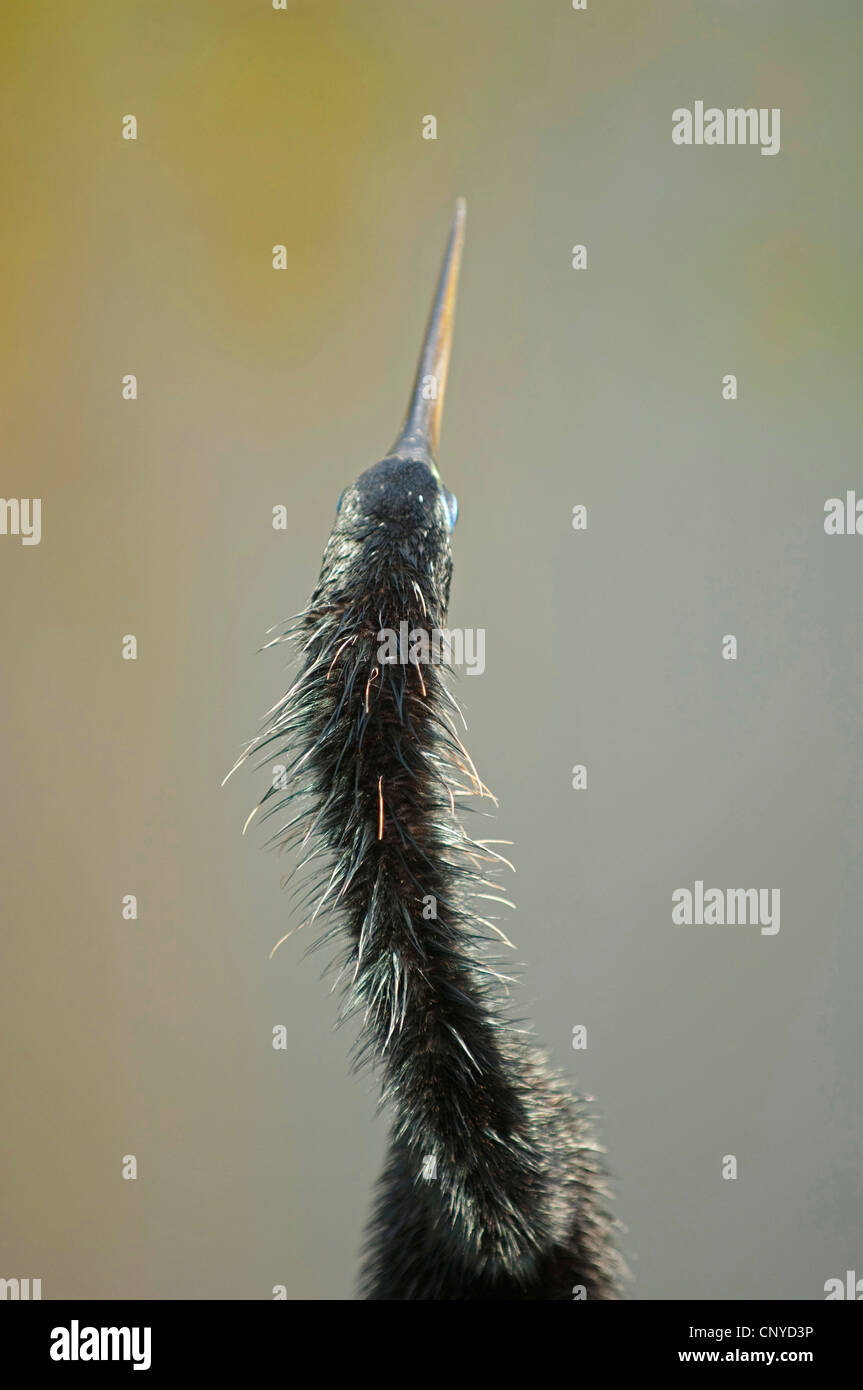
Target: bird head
x=401, y=501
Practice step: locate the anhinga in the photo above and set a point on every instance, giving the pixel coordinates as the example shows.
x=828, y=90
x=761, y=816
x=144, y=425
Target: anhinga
x=493, y=1187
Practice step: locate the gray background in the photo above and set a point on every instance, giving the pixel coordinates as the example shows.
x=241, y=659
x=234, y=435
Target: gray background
x=601, y=387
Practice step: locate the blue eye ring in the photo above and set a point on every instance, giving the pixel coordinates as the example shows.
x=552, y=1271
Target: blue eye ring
x=451, y=502
x=341, y=500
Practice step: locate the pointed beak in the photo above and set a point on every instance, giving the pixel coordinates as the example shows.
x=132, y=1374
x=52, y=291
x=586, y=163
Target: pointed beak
x=420, y=433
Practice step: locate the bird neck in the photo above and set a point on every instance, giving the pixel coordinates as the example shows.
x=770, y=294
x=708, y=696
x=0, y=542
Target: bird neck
x=388, y=768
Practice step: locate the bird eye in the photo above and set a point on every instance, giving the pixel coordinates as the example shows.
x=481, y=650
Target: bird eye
x=452, y=507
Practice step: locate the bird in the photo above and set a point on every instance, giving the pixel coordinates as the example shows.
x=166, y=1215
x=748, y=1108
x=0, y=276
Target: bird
x=494, y=1185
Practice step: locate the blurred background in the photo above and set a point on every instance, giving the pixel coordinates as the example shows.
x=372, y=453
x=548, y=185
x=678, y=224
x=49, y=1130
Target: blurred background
x=258, y=388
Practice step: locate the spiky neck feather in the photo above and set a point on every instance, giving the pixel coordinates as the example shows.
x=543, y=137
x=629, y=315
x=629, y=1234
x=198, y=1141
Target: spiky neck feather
x=404, y=872
x=379, y=768
x=513, y=1207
